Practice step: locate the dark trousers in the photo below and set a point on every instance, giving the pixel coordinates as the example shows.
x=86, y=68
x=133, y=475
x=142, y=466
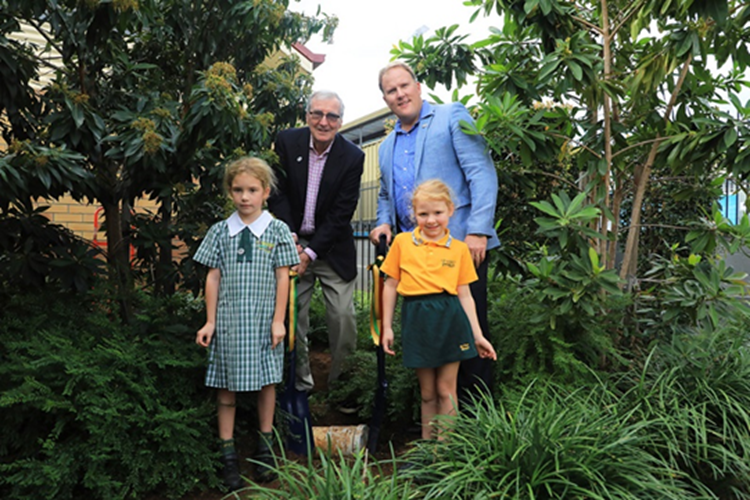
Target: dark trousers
x=476, y=374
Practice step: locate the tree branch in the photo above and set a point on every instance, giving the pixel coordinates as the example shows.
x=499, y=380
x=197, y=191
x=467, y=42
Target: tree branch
x=662, y=226
x=554, y=176
x=590, y=26
x=678, y=86
x=639, y=144
x=635, y=6
x=607, y=117
x=50, y=41
x=577, y=143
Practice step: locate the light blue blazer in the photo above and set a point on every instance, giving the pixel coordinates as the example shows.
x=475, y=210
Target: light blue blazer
x=460, y=160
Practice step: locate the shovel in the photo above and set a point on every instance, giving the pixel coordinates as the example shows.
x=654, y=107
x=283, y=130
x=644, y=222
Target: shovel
x=294, y=402
x=376, y=323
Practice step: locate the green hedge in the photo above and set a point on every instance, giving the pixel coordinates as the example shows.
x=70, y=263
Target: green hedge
x=93, y=409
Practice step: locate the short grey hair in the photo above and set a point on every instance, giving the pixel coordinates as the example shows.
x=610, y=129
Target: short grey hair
x=390, y=66
x=324, y=95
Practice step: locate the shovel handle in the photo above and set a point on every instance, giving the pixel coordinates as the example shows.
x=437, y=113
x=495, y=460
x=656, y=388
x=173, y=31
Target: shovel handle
x=382, y=247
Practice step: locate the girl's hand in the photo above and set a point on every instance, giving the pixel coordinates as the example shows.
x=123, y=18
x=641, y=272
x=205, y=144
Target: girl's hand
x=485, y=349
x=205, y=334
x=387, y=340
x=278, y=332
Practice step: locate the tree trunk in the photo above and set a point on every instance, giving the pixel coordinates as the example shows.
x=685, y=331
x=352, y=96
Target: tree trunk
x=118, y=258
x=165, y=284
x=607, y=104
x=629, y=268
x=616, y=204
x=630, y=259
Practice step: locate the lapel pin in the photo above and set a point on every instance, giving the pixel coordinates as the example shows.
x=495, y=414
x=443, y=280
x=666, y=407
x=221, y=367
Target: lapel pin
x=299, y=159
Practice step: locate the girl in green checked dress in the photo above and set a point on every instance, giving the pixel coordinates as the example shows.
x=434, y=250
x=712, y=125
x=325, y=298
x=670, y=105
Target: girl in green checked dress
x=247, y=288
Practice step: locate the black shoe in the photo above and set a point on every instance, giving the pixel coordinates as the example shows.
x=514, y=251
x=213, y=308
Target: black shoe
x=415, y=471
x=407, y=467
x=231, y=472
x=264, y=472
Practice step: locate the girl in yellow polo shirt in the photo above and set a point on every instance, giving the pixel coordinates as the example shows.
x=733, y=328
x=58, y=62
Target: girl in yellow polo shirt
x=439, y=325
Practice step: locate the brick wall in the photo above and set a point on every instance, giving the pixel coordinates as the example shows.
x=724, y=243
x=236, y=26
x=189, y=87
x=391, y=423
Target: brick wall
x=83, y=218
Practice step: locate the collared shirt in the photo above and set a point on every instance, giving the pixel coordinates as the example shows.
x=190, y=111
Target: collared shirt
x=257, y=227
x=424, y=267
x=404, y=172
x=314, y=175
x=403, y=175
x=236, y=226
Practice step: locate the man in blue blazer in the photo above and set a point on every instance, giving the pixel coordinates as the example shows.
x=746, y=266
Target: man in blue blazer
x=428, y=143
x=318, y=176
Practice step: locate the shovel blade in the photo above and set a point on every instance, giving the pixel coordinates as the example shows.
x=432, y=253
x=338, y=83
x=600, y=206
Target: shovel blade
x=295, y=405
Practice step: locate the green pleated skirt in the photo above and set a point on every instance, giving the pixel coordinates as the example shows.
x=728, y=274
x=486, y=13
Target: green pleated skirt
x=435, y=331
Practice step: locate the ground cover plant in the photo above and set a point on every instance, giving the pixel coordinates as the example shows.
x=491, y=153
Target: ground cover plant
x=546, y=441
x=678, y=429
x=695, y=387
x=325, y=476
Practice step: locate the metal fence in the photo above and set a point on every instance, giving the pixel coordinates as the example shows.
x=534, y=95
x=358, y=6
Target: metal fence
x=362, y=227
x=732, y=202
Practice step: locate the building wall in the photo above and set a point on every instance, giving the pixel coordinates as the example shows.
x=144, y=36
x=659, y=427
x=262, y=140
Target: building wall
x=368, y=193
x=85, y=219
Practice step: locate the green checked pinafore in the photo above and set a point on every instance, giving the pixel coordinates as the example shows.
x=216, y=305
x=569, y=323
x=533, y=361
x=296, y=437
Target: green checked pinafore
x=240, y=354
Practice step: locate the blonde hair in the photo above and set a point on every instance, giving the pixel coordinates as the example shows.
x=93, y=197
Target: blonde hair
x=390, y=66
x=253, y=166
x=432, y=190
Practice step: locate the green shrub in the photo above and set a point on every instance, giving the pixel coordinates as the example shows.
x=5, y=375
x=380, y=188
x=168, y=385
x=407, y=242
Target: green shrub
x=358, y=383
x=527, y=345
x=562, y=314
x=689, y=292
x=34, y=252
x=545, y=441
x=93, y=409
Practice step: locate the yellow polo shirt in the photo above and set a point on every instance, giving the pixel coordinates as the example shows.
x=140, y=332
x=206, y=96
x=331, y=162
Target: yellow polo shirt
x=424, y=267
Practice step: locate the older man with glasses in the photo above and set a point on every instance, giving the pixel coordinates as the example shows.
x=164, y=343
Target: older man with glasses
x=319, y=175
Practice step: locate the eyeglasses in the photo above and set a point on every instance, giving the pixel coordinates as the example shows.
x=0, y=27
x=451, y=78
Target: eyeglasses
x=318, y=115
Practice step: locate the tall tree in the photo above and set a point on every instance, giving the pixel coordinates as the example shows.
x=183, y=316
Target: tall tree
x=147, y=97
x=618, y=87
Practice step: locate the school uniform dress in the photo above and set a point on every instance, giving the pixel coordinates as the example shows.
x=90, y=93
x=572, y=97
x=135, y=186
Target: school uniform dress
x=434, y=327
x=240, y=355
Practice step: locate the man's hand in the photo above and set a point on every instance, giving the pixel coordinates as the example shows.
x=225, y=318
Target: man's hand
x=477, y=247
x=381, y=229
x=304, y=261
